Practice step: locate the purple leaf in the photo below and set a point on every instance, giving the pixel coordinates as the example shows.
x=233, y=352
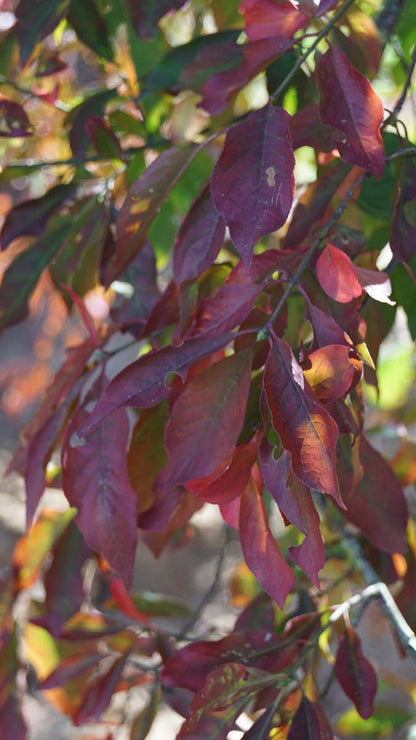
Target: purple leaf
x=252, y=183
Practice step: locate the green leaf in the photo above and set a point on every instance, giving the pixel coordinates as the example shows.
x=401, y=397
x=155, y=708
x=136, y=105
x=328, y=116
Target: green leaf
x=35, y=20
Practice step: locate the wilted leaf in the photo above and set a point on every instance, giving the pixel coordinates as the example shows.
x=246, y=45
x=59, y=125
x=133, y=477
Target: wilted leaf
x=35, y=21
x=143, y=202
x=252, y=183
x=337, y=275
x=355, y=673
x=143, y=384
x=349, y=103
x=207, y=418
x=260, y=549
x=95, y=480
x=199, y=239
x=305, y=428
x=266, y=18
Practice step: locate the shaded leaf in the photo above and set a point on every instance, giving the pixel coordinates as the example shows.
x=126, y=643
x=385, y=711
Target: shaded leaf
x=142, y=383
x=376, y=284
x=403, y=227
x=297, y=506
x=230, y=480
x=12, y=722
x=349, y=103
x=9, y=665
x=35, y=21
x=355, y=673
x=14, y=121
x=77, y=118
x=189, y=666
x=199, y=239
x=31, y=216
x=207, y=418
x=219, y=88
x=260, y=549
x=145, y=14
x=143, y=202
x=308, y=129
x=226, y=309
x=309, y=723
x=252, y=183
x=337, y=276
x=376, y=505
x=90, y=27
x=103, y=137
x=259, y=614
x=146, y=455
x=225, y=687
x=64, y=579
x=141, y=274
x=100, y=693
x=261, y=728
x=305, y=428
x=21, y=277
x=266, y=18
x=95, y=480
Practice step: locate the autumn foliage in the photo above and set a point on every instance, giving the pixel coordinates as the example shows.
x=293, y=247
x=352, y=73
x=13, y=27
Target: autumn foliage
x=224, y=179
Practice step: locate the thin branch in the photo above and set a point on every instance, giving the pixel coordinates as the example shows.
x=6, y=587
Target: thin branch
x=321, y=35
x=399, y=105
x=206, y=598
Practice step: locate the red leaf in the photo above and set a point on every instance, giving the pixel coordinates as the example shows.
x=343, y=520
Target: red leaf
x=189, y=666
x=207, y=418
x=296, y=504
x=229, y=482
x=142, y=383
x=143, y=202
x=313, y=205
x=355, y=673
x=309, y=723
x=146, y=456
x=95, y=480
x=260, y=549
x=266, y=18
x=226, y=309
x=337, y=276
x=349, y=103
x=403, y=228
x=230, y=512
x=13, y=120
x=199, y=239
x=308, y=129
x=103, y=137
x=377, y=505
x=331, y=372
x=325, y=329
x=252, y=182
x=305, y=428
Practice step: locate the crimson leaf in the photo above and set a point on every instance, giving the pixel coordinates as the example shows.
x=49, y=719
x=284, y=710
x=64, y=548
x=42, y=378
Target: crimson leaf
x=252, y=183
x=355, y=673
